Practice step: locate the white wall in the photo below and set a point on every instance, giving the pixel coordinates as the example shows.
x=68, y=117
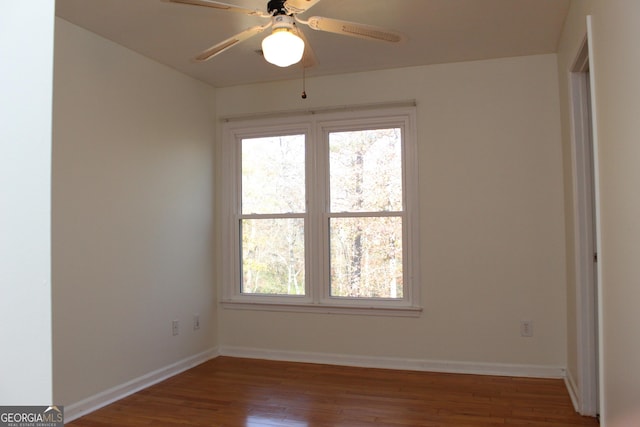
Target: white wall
x=26, y=49
x=616, y=28
x=492, y=220
x=132, y=215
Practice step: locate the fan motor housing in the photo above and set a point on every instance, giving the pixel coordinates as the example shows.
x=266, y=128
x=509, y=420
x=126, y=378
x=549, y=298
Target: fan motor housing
x=276, y=7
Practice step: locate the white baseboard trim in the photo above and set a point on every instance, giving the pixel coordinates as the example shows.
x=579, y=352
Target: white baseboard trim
x=90, y=404
x=476, y=368
x=572, y=388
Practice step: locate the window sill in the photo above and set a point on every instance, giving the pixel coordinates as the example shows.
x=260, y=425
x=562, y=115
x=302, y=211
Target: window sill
x=324, y=308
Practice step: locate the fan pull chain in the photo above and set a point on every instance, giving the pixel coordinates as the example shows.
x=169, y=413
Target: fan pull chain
x=304, y=92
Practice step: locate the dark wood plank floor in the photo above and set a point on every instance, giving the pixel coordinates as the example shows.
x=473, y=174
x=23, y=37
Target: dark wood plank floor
x=257, y=393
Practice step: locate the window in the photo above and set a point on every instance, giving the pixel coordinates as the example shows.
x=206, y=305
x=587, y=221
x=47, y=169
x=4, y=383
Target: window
x=321, y=212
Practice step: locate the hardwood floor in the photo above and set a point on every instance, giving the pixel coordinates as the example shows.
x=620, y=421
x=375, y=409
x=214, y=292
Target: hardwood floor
x=258, y=393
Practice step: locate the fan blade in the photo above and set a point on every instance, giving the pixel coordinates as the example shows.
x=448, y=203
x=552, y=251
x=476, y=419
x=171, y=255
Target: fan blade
x=308, y=57
x=299, y=6
x=223, y=6
x=230, y=42
x=354, y=29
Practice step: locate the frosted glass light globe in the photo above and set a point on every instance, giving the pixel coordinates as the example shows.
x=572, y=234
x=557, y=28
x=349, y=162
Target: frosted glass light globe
x=282, y=48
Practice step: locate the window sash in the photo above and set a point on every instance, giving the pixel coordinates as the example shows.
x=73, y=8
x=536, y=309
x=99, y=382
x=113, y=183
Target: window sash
x=257, y=250
x=369, y=283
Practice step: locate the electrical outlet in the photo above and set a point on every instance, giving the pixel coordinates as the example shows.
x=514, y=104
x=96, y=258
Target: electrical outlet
x=175, y=327
x=526, y=328
x=196, y=322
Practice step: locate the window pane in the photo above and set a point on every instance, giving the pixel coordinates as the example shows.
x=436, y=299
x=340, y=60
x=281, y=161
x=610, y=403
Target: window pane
x=273, y=256
x=273, y=175
x=366, y=257
x=366, y=170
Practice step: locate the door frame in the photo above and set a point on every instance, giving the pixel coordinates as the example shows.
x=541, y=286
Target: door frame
x=586, y=211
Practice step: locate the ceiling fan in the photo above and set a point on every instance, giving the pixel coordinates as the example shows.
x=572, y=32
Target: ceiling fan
x=287, y=45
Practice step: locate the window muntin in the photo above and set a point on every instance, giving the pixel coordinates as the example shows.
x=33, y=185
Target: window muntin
x=384, y=213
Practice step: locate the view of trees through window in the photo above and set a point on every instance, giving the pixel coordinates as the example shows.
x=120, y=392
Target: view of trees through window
x=273, y=208
x=365, y=176
x=364, y=222
x=273, y=256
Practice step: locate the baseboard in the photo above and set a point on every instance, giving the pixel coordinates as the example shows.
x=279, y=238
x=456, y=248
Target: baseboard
x=475, y=368
x=90, y=404
x=572, y=388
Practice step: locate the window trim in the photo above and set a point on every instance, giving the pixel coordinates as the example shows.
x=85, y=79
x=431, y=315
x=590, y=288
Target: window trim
x=315, y=127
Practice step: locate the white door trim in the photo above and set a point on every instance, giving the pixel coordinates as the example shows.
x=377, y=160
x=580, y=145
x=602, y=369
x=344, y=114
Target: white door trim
x=586, y=226
x=598, y=228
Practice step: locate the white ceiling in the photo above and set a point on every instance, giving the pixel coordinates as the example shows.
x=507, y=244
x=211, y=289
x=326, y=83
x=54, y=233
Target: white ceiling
x=438, y=31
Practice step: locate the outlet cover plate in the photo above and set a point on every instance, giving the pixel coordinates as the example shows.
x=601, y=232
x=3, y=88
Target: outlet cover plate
x=526, y=328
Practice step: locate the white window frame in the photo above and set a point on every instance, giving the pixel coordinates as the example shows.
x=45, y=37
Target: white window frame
x=316, y=127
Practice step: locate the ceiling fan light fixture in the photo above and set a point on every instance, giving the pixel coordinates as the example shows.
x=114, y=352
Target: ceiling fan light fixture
x=283, y=47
